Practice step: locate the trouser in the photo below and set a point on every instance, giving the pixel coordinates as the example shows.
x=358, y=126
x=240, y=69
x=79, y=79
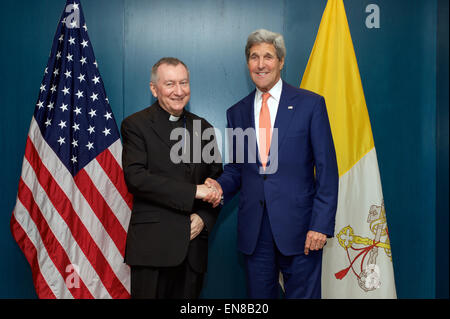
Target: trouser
x=301, y=273
x=179, y=282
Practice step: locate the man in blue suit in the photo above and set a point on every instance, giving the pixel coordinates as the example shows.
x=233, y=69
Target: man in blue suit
x=289, y=192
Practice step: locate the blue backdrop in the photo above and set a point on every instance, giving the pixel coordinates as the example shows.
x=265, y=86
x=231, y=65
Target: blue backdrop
x=404, y=70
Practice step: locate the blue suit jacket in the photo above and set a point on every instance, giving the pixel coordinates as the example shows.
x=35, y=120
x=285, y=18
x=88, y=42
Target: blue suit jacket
x=300, y=185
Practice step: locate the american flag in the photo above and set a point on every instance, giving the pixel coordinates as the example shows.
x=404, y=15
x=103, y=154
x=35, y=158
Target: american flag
x=73, y=207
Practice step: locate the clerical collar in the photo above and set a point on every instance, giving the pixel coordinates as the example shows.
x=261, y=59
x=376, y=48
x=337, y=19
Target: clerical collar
x=172, y=118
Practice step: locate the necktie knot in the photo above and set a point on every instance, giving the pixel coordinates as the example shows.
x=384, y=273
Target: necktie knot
x=265, y=97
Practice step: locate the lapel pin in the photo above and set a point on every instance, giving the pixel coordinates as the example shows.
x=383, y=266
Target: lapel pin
x=290, y=107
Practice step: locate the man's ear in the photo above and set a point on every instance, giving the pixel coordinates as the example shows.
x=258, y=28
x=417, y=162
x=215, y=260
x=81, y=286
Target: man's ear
x=282, y=64
x=153, y=90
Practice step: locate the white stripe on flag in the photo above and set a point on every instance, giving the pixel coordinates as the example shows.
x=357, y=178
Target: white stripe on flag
x=47, y=268
x=116, y=151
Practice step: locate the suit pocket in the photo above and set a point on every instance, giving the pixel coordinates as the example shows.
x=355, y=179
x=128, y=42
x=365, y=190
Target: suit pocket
x=145, y=217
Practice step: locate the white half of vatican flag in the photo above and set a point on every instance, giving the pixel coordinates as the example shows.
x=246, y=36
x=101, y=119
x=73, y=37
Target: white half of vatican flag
x=357, y=261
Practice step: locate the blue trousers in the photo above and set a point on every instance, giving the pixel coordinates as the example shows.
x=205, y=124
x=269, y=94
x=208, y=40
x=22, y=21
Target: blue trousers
x=301, y=273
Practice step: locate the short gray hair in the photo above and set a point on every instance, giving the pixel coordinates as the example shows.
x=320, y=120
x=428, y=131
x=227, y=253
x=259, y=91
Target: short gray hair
x=266, y=36
x=165, y=60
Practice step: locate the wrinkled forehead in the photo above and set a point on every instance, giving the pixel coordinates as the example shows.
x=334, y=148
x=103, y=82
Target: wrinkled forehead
x=169, y=72
x=263, y=48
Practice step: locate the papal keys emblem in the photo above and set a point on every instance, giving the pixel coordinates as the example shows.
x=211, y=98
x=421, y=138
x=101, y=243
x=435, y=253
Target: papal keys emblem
x=368, y=274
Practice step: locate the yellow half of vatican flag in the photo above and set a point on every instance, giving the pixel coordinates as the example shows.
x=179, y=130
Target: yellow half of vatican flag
x=358, y=260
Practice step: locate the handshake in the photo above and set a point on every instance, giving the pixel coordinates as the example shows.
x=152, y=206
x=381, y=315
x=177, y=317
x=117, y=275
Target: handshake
x=210, y=192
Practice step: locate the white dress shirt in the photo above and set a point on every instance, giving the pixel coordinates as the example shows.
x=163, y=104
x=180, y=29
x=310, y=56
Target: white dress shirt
x=272, y=103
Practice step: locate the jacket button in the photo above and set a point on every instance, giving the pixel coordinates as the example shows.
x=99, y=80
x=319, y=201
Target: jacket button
x=261, y=203
x=265, y=177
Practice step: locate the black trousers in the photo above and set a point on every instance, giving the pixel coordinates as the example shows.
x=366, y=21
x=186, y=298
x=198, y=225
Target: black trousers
x=179, y=282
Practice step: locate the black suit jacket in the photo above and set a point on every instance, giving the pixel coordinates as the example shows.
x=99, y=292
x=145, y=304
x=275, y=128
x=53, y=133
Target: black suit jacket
x=164, y=191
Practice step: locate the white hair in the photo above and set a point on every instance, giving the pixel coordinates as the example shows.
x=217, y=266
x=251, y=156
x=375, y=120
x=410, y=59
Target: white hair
x=266, y=36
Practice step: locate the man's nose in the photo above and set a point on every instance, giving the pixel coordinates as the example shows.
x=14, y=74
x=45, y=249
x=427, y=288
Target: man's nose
x=178, y=90
x=261, y=63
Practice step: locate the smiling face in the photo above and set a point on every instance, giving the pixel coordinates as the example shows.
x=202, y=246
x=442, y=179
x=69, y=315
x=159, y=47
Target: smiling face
x=264, y=66
x=172, y=88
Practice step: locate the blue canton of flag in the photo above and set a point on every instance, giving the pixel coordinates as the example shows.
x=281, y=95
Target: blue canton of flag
x=73, y=111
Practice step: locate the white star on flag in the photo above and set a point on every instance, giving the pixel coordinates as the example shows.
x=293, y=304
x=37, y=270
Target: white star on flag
x=92, y=113
x=63, y=107
x=76, y=127
x=62, y=124
x=106, y=131
x=96, y=79
x=79, y=94
x=65, y=90
x=77, y=111
x=90, y=145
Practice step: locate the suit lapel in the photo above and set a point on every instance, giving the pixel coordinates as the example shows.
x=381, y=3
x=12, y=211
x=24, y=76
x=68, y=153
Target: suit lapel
x=285, y=113
x=248, y=116
x=248, y=112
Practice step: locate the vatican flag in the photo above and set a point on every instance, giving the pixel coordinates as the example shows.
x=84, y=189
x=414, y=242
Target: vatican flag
x=357, y=262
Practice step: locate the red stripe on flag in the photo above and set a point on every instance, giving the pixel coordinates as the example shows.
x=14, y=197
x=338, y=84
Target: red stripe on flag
x=76, y=226
x=115, y=174
x=53, y=248
x=42, y=289
x=102, y=210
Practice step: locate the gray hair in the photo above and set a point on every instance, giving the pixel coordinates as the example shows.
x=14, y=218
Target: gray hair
x=266, y=36
x=165, y=60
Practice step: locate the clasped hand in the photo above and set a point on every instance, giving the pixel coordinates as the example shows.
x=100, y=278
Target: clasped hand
x=210, y=192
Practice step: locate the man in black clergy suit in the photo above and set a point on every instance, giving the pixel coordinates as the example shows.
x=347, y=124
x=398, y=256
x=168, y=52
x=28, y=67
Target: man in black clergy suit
x=167, y=242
